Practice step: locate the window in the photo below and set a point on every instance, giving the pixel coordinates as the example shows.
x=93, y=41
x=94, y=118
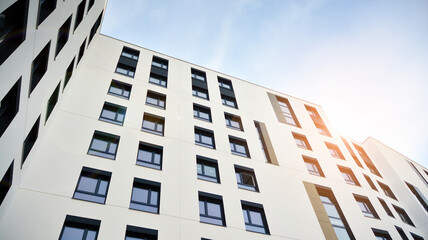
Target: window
x=287, y=112
x=90, y=4
x=156, y=99
x=150, y=155
x=153, y=124
x=246, y=178
x=13, y=28
x=198, y=75
x=46, y=7
x=302, y=141
x=30, y=140
x=352, y=152
x=416, y=237
x=403, y=215
x=385, y=207
x=113, y=113
x=401, y=232
x=104, y=145
x=313, y=166
x=158, y=79
x=52, y=101
x=204, y=137
x=349, y=176
x=207, y=169
x=370, y=182
x=265, y=143
x=130, y=53
x=334, y=150
x=418, y=194
x=138, y=233
x=145, y=196
x=254, y=217
x=239, y=147
x=39, y=66
x=211, y=209
x=367, y=160
x=201, y=112
x=233, y=121
x=68, y=73
x=127, y=64
x=96, y=25
x=381, y=234
x=92, y=185
x=319, y=123
x=120, y=89
x=229, y=101
x=160, y=62
x=366, y=207
x=224, y=83
x=9, y=106
x=78, y=228
x=81, y=51
x=63, y=33
x=125, y=70
x=388, y=192
x=6, y=182
x=200, y=92
x=80, y=13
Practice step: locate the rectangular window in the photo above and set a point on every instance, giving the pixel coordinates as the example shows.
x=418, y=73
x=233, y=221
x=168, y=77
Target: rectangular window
x=130, y=53
x=120, y=89
x=207, y=169
x=95, y=27
x=385, y=207
x=156, y=99
x=334, y=150
x=53, y=99
x=92, y=185
x=81, y=51
x=80, y=13
x=302, y=141
x=418, y=194
x=267, y=148
x=233, y=121
x=319, y=123
x=367, y=160
x=145, y=196
x=46, y=7
x=381, y=234
x=254, y=217
x=388, y=192
x=352, y=152
x=416, y=237
x=153, y=124
x=201, y=112
x=200, y=92
x=39, y=66
x=229, y=101
x=157, y=79
x=198, y=75
x=30, y=140
x=366, y=207
x=104, y=145
x=349, y=176
x=160, y=62
x=287, y=112
x=138, y=233
x=401, y=232
x=113, y=113
x=150, y=155
x=6, y=182
x=239, y=147
x=246, y=178
x=9, y=106
x=204, y=137
x=224, y=83
x=90, y=4
x=211, y=209
x=403, y=215
x=125, y=70
x=313, y=166
x=63, y=33
x=370, y=182
x=68, y=73
x=79, y=228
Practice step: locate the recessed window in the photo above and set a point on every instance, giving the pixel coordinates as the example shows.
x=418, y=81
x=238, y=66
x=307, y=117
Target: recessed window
x=229, y=101
x=201, y=112
x=81, y=51
x=403, y=215
x=385, y=207
x=150, y=155
x=246, y=178
x=80, y=13
x=9, y=106
x=287, y=112
x=224, y=83
x=265, y=143
x=254, y=217
x=113, y=113
x=388, y=192
x=204, y=137
x=334, y=150
x=301, y=141
x=366, y=207
x=416, y=237
x=63, y=33
x=233, y=121
x=145, y=196
x=53, y=99
x=138, y=233
x=367, y=160
x=381, y=234
x=211, y=209
x=198, y=75
x=120, y=89
x=125, y=70
x=158, y=79
x=349, y=176
x=68, y=73
x=156, y=99
x=352, y=152
x=160, y=62
x=207, y=169
x=130, y=53
x=95, y=27
x=30, y=140
x=200, y=92
x=239, y=147
x=370, y=182
x=39, y=67
x=79, y=228
x=90, y=4
x=6, y=182
x=104, y=145
x=402, y=234
x=92, y=185
x=153, y=124
x=418, y=194
x=46, y=7
x=313, y=166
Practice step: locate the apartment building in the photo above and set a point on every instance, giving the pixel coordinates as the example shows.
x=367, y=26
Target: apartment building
x=102, y=139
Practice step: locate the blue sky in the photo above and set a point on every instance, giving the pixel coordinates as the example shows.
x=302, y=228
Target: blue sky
x=365, y=62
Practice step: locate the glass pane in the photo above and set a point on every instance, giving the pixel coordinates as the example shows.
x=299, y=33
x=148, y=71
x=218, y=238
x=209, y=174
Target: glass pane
x=246, y=219
x=240, y=149
x=103, y=187
x=256, y=218
x=195, y=113
x=91, y=235
x=154, y=198
x=206, y=140
x=247, y=179
x=214, y=209
x=140, y=195
x=108, y=114
x=144, y=155
x=197, y=137
x=331, y=210
x=235, y=124
x=210, y=171
x=149, y=125
x=87, y=184
x=238, y=177
x=99, y=145
x=157, y=158
x=120, y=117
x=199, y=168
x=115, y=90
x=71, y=233
x=112, y=148
x=204, y=115
x=161, y=103
x=159, y=127
x=341, y=233
x=201, y=207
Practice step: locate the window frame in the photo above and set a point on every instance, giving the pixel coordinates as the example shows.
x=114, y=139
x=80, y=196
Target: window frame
x=349, y=176
x=226, y=99
x=153, y=149
x=301, y=141
x=140, y=233
x=202, y=132
x=203, y=161
x=125, y=70
x=366, y=206
x=122, y=88
x=225, y=83
x=198, y=109
x=158, y=80
x=313, y=162
x=150, y=187
x=157, y=121
x=207, y=198
x=120, y=110
x=247, y=208
x=234, y=142
x=198, y=75
x=104, y=154
x=94, y=174
x=240, y=171
x=403, y=215
x=161, y=98
x=334, y=150
x=197, y=90
x=84, y=224
x=160, y=63
x=387, y=190
x=230, y=118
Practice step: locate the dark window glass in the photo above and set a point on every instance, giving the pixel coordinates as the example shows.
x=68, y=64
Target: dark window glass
x=370, y=182
x=81, y=51
x=6, y=182
x=233, y=121
x=204, y=137
x=158, y=79
x=388, y=192
x=160, y=63
x=80, y=13
x=381, y=234
x=246, y=178
x=52, y=101
x=229, y=101
x=239, y=147
x=139, y=233
x=46, y=7
x=130, y=53
x=9, y=106
x=385, y=207
x=224, y=83
x=313, y=166
x=302, y=141
x=149, y=156
x=200, y=92
x=113, y=113
x=125, y=70
x=153, y=124
x=156, y=99
x=68, y=73
x=254, y=217
x=403, y=215
x=77, y=228
x=30, y=140
x=207, y=169
x=401, y=232
x=104, y=145
x=211, y=209
x=416, y=237
x=366, y=206
x=90, y=4
x=63, y=33
x=120, y=89
x=334, y=150
x=39, y=66
x=92, y=185
x=198, y=75
x=200, y=112
x=145, y=196
x=349, y=176
x=96, y=25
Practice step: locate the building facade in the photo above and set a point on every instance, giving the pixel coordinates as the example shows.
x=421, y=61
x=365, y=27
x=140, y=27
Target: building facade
x=102, y=139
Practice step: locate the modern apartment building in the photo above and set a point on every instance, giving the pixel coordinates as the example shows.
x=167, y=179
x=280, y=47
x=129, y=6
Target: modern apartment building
x=102, y=139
